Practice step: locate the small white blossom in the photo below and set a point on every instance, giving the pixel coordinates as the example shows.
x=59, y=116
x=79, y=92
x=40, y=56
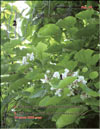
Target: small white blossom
x=13, y=110
x=28, y=55
x=22, y=47
x=75, y=74
x=52, y=88
x=84, y=82
x=64, y=75
x=58, y=92
x=45, y=80
x=81, y=79
x=29, y=83
x=48, y=71
x=52, y=63
x=19, y=62
x=59, y=95
x=56, y=75
x=32, y=56
x=66, y=70
x=24, y=60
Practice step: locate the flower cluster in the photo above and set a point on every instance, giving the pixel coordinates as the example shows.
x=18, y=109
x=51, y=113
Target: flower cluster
x=28, y=56
x=45, y=80
x=58, y=91
x=56, y=75
x=64, y=75
x=73, y=88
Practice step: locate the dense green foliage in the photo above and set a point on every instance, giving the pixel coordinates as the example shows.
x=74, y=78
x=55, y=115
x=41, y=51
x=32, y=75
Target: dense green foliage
x=53, y=63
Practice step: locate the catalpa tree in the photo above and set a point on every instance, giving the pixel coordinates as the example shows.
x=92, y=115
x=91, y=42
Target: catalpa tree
x=49, y=64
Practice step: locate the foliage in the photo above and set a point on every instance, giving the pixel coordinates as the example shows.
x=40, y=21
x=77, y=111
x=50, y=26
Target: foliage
x=53, y=63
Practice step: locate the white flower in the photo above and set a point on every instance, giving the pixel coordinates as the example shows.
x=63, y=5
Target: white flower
x=52, y=63
x=48, y=71
x=22, y=47
x=58, y=92
x=13, y=110
x=24, y=60
x=84, y=82
x=64, y=75
x=75, y=74
x=45, y=80
x=52, y=88
x=81, y=79
x=66, y=70
x=28, y=55
x=56, y=75
x=31, y=56
x=29, y=83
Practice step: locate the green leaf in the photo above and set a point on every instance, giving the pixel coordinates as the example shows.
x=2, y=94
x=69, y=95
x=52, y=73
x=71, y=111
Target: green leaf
x=66, y=82
x=69, y=118
x=4, y=68
x=67, y=63
x=89, y=91
x=40, y=49
x=50, y=30
x=97, y=85
x=44, y=101
x=85, y=14
x=35, y=75
x=12, y=43
x=37, y=94
x=67, y=22
x=26, y=28
x=17, y=84
x=51, y=101
x=11, y=78
x=85, y=56
x=92, y=101
x=85, y=69
x=93, y=75
x=30, y=89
